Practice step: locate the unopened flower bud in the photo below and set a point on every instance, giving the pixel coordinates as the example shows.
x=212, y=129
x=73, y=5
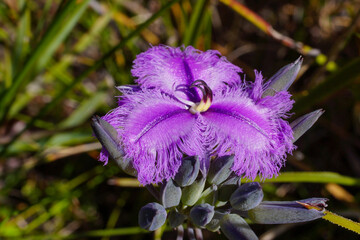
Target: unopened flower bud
x=220, y=169
x=175, y=218
x=214, y=224
x=107, y=135
x=247, y=196
x=202, y=214
x=188, y=171
x=235, y=228
x=152, y=216
x=282, y=79
x=170, y=194
x=192, y=193
x=303, y=123
x=280, y=212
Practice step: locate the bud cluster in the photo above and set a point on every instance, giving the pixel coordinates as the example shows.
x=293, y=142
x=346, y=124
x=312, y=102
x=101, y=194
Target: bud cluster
x=219, y=202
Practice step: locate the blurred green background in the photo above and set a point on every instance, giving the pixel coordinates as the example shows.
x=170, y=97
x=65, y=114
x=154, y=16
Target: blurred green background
x=61, y=60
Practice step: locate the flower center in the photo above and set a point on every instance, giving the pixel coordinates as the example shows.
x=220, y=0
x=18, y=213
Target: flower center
x=205, y=101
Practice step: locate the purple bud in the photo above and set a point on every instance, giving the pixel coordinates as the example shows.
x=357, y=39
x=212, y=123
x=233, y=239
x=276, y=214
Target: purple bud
x=235, y=228
x=192, y=193
x=175, y=218
x=202, y=214
x=108, y=138
x=247, y=196
x=214, y=224
x=303, y=123
x=220, y=169
x=282, y=79
x=170, y=194
x=152, y=216
x=280, y=212
x=188, y=171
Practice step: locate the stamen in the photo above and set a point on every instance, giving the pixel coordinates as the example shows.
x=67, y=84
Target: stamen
x=206, y=100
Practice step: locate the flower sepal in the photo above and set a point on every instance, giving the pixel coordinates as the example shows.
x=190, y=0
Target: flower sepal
x=235, y=227
x=282, y=79
x=108, y=138
x=247, y=196
x=304, y=123
x=152, y=216
x=188, y=171
x=281, y=212
x=170, y=194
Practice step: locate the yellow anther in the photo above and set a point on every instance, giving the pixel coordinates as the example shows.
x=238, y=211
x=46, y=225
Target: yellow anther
x=201, y=106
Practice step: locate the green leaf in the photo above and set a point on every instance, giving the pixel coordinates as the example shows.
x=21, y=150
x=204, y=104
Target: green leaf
x=69, y=139
x=61, y=94
x=23, y=34
x=85, y=110
x=311, y=177
x=342, y=222
x=55, y=35
x=195, y=22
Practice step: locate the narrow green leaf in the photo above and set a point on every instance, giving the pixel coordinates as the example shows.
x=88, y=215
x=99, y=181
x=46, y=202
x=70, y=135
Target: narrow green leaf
x=97, y=27
x=55, y=209
x=23, y=34
x=86, y=109
x=195, y=22
x=69, y=139
x=6, y=69
x=86, y=73
x=58, y=31
x=334, y=218
x=312, y=177
x=342, y=222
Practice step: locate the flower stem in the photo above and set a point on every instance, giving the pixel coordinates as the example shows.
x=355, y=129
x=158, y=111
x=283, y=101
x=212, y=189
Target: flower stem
x=191, y=233
x=180, y=233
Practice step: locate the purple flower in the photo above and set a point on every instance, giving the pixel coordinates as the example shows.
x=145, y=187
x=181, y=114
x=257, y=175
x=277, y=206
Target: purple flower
x=189, y=103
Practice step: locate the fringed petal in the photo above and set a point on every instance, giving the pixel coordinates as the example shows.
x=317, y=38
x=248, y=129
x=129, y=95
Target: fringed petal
x=279, y=104
x=256, y=89
x=165, y=68
x=155, y=131
x=258, y=138
x=104, y=156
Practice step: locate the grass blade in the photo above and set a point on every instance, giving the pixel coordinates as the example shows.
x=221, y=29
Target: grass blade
x=264, y=26
x=86, y=73
x=84, y=111
x=195, y=21
x=57, y=32
x=342, y=222
x=312, y=177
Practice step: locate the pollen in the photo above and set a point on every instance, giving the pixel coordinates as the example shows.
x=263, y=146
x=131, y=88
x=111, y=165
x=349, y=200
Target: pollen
x=206, y=100
x=202, y=106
